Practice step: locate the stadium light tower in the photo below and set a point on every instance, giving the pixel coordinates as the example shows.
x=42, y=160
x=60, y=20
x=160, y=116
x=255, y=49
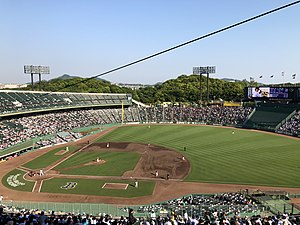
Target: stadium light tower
x=204, y=70
x=30, y=69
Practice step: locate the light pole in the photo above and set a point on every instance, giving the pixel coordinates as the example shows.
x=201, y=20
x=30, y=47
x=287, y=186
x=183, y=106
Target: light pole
x=196, y=71
x=30, y=69
x=204, y=70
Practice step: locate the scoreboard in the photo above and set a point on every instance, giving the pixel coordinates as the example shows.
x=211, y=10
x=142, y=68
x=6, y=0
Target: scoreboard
x=273, y=93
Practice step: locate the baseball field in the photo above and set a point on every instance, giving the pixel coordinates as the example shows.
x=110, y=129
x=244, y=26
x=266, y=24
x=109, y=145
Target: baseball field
x=150, y=163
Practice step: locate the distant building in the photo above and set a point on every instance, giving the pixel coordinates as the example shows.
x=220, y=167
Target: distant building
x=12, y=86
x=230, y=80
x=133, y=86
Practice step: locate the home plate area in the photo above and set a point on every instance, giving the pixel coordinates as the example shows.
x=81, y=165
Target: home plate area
x=117, y=186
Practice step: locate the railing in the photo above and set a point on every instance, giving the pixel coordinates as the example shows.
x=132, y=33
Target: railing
x=285, y=120
x=279, y=204
x=281, y=207
x=76, y=208
x=162, y=209
x=249, y=116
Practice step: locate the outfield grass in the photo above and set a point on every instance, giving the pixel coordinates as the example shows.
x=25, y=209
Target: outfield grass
x=94, y=187
x=116, y=163
x=28, y=185
x=48, y=158
x=218, y=156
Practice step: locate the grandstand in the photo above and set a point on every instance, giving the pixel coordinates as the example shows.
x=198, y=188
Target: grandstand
x=42, y=117
x=290, y=126
x=20, y=102
x=269, y=116
x=23, y=111
x=214, y=115
x=228, y=208
x=276, y=110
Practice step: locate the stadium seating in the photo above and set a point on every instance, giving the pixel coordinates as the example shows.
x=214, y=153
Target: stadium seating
x=291, y=126
x=217, y=115
x=223, y=208
x=268, y=116
x=83, y=109
x=17, y=130
x=13, y=102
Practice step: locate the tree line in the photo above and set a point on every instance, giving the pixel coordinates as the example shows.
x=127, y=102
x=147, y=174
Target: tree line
x=185, y=88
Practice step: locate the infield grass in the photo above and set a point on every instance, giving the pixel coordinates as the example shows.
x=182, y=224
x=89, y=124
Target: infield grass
x=116, y=163
x=218, y=156
x=48, y=158
x=94, y=187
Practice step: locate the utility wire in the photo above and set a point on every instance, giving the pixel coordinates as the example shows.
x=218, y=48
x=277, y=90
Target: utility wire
x=183, y=44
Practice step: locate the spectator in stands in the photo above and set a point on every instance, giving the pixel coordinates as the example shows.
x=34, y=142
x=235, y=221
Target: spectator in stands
x=23, y=216
x=42, y=218
x=188, y=114
x=131, y=218
x=22, y=129
x=292, y=126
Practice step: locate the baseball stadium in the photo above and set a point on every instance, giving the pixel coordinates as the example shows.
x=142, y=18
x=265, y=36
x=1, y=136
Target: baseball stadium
x=190, y=150
x=63, y=149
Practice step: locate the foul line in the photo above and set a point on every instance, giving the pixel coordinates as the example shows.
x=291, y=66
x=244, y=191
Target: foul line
x=84, y=147
x=34, y=186
x=41, y=184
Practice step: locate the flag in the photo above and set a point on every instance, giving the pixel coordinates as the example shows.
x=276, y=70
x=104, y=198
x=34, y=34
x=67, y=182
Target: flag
x=261, y=76
x=271, y=76
x=294, y=76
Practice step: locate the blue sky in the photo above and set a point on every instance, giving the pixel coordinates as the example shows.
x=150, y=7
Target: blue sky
x=88, y=37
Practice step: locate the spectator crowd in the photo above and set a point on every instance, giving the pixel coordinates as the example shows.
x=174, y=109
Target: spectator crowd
x=218, y=115
x=17, y=130
x=233, y=214
x=24, y=128
x=228, y=203
x=292, y=126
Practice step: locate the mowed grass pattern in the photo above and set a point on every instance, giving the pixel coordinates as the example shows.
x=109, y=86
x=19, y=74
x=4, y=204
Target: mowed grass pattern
x=94, y=187
x=48, y=158
x=218, y=156
x=116, y=163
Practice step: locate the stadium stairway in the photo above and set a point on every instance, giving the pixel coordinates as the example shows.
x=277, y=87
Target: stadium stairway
x=269, y=116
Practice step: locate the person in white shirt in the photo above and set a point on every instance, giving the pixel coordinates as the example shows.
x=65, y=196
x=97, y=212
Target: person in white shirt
x=256, y=93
